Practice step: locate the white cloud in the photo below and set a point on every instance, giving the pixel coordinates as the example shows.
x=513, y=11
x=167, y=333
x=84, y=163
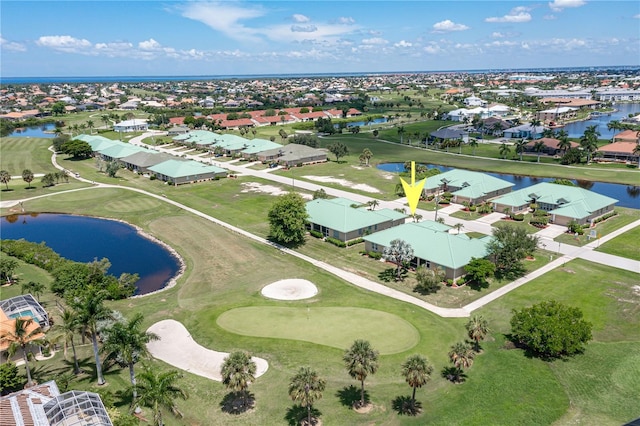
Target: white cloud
x=516, y=15
x=403, y=43
x=559, y=5
x=300, y=18
x=375, y=41
x=346, y=20
x=224, y=17
x=448, y=26
x=497, y=34
x=433, y=48
x=549, y=17
x=12, y=45
x=150, y=44
x=64, y=43
x=304, y=28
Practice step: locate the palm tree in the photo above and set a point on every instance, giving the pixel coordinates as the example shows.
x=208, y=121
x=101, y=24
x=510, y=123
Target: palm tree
x=589, y=141
x=21, y=335
x=473, y=144
x=126, y=343
x=32, y=287
x=158, y=390
x=105, y=120
x=66, y=330
x=614, y=125
x=401, y=132
x=504, y=150
x=417, y=372
x=90, y=124
x=461, y=356
x=458, y=226
x=5, y=177
x=306, y=387
x=520, y=147
x=538, y=147
x=27, y=176
x=238, y=372
x=361, y=360
x=90, y=309
x=366, y=155
x=477, y=329
x=636, y=151
x=373, y=204
x=563, y=137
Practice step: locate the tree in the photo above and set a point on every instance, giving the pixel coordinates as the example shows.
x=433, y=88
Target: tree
x=401, y=133
x=538, y=147
x=636, y=152
x=90, y=124
x=32, y=287
x=58, y=108
x=520, y=147
x=338, y=149
x=417, y=372
x=287, y=219
x=112, y=168
x=320, y=194
x=398, y=252
x=27, y=176
x=509, y=245
x=479, y=270
x=126, y=343
x=458, y=226
x=373, y=204
x=238, y=372
x=306, y=387
x=477, y=329
x=589, y=141
x=461, y=356
x=5, y=177
x=89, y=306
x=158, y=390
x=428, y=279
x=48, y=180
x=551, y=329
x=504, y=150
x=366, y=156
x=77, y=148
x=10, y=380
x=7, y=267
x=473, y=143
x=20, y=336
x=65, y=330
x=361, y=360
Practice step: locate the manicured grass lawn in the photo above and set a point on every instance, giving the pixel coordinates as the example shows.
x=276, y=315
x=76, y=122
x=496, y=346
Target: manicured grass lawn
x=336, y=327
x=26, y=153
x=625, y=245
x=625, y=216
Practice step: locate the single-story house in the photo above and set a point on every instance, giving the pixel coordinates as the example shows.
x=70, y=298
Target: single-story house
x=23, y=306
x=140, y=162
x=564, y=203
x=524, y=131
x=627, y=136
x=293, y=154
x=551, y=146
x=135, y=125
x=467, y=186
x=178, y=172
x=43, y=404
x=433, y=246
x=255, y=146
x=449, y=134
x=336, y=218
x=619, y=151
x=120, y=150
x=97, y=142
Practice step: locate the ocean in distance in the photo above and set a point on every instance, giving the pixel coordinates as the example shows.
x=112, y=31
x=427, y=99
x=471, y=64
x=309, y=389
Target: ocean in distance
x=151, y=78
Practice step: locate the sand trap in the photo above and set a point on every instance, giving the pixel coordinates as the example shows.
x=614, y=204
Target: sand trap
x=291, y=289
x=177, y=347
x=268, y=189
x=344, y=182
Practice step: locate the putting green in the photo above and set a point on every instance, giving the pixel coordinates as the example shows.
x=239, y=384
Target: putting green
x=336, y=327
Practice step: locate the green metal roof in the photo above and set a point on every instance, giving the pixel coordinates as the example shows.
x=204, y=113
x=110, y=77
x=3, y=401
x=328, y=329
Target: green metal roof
x=338, y=214
x=430, y=241
x=122, y=149
x=474, y=184
x=572, y=201
x=177, y=168
x=259, y=145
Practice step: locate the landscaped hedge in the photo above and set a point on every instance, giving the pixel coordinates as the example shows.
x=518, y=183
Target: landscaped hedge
x=316, y=234
x=518, y=217
x=335, y=242
x=354, y=242
x=372, y=254
x=605, y=217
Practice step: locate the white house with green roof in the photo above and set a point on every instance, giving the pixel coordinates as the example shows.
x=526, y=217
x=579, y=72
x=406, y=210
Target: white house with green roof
x=178, y=172
x=467, y=186
x=433, y=246
x=255, y=146
x=336, y=218
x=564, y=203
x=201, y=138
x=293, y=154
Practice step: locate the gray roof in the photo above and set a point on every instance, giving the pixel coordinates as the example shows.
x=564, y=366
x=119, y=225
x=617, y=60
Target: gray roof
x=448, y=133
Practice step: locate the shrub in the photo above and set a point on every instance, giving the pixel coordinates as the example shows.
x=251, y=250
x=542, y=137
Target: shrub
x=153, y=177
x=605, y=217
x=316, y=234
x=472, y=208
x=518, y=217
x=374, y=254
x=335, y=242
x=354, y=242
x=540, y=213
x=539, y=221
x=575, y=228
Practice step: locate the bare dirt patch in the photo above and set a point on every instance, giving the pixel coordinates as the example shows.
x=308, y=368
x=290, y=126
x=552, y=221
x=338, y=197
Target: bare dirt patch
x=268, y=189
x=344, y=182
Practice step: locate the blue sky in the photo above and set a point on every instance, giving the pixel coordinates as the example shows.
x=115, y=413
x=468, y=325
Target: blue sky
x=115, y=38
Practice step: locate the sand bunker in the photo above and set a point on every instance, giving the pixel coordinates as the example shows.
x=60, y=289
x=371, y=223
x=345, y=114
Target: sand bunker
x=177, y=347
x=268, y=189
x=343, y=182
x=291, y=289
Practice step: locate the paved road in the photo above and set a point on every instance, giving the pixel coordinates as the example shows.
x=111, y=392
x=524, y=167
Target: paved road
x=569, y=252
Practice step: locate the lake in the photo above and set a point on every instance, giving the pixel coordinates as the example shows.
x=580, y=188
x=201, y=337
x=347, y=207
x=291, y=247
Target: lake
x=84, y=239
x=626, y=194
x=35, y=131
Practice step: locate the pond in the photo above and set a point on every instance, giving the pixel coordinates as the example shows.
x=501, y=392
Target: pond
x=84, y=239
x=42, y=131
x=626, y=194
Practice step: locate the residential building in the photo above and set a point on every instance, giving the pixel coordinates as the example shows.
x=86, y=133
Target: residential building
x=551, y=146
x=135, y=125
x=178, y=172
x=524, y=131
x=467, y=186
x=292, y=154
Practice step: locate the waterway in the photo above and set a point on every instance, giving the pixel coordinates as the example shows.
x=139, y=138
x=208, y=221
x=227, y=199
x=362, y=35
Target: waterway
x=42, y=131
x=576, y=129
x=627, y=195
x=85, y=239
